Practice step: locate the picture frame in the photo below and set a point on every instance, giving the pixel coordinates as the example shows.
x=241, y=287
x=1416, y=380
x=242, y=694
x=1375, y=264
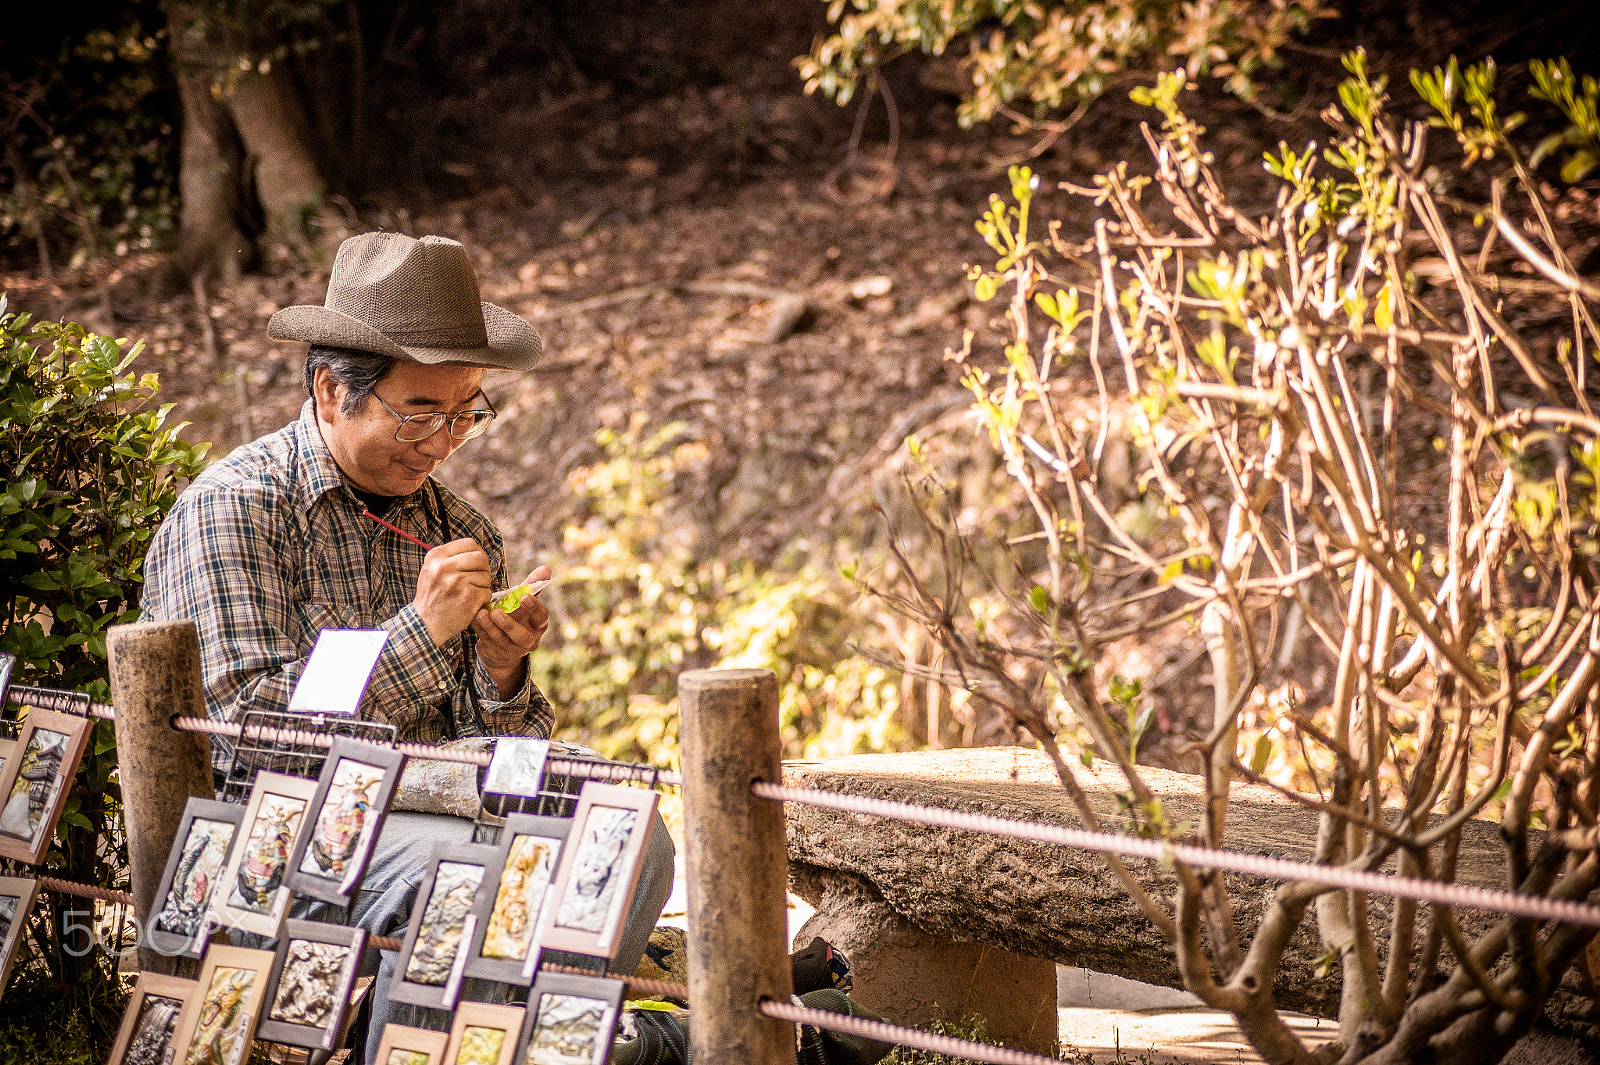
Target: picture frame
x=505, y=935
x=433, y=956
x=308, y=996
x=483, y=1034
x=353, y=795
x=403, y=1045
x=200, y=851
x=33, y=785
x=273, y=820
x=6, y=747
x=225, y=1006
x=517, y=766
x=570, y=1020
x=151, y=1019
x=17, y=896
x=599, y=869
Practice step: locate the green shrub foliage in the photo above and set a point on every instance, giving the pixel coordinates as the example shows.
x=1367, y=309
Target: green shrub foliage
x=1025, y=56
x=88, y=468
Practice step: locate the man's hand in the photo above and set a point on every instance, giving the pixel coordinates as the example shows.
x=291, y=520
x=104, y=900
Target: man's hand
x=454, y=584
x=504, y=640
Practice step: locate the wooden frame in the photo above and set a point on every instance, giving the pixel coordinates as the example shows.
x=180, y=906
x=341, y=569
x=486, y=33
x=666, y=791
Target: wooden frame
x=25, y=891
x=599, y=869
x=466, y=1049
x=26, y=831
x=412, y=1041
x=441, y=923
x=225, y=1005
x=341, y=961
x=528, y=856
x=353, y=795
x=151, y=1038
x=194, y=871
x=259, y=861
x=6, y=747
x=589, y=1004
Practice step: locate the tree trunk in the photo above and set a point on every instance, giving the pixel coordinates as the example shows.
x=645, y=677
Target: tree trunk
x=209, y=238
x=288, y=184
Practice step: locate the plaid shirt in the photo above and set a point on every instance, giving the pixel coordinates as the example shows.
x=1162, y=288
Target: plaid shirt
x=269, y=546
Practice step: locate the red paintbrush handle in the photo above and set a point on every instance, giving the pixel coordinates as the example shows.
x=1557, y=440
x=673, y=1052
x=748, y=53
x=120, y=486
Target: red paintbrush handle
x=398, y=531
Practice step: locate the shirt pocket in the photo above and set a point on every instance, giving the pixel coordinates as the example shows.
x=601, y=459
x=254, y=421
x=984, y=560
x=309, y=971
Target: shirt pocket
x=316, y=616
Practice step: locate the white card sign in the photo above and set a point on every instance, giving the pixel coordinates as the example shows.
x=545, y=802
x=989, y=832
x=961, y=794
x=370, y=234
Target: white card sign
x=337, y=672
x=517, y=766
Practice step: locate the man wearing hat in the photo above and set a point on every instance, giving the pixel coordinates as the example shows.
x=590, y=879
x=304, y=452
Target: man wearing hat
x=282, y=539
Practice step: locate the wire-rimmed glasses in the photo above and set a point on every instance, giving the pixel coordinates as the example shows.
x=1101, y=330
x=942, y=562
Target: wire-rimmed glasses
x=463, y=426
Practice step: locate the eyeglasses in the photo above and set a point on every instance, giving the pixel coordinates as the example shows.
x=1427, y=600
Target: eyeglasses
x=463, y=426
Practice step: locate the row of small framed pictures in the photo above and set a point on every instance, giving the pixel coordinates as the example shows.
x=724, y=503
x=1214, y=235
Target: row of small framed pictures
x=237, y=866
x=301, y=995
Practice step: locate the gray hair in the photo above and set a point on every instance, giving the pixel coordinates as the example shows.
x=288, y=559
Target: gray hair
x=358, y=371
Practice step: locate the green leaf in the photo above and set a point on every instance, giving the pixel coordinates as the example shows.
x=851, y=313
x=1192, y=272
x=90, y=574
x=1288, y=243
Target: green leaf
x=1261, y=755
x=1041, y=599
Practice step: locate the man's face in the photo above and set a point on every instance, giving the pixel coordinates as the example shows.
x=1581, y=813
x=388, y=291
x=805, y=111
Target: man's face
x=363, y=443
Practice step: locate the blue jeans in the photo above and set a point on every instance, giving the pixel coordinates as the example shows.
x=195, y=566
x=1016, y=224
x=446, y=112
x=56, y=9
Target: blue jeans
x=389, y=890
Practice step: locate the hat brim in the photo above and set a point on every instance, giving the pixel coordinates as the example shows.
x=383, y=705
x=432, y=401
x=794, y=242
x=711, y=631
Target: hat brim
x=513, y=344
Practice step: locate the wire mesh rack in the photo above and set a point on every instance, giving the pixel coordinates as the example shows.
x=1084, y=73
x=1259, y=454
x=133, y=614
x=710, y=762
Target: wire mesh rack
x=268, y=742
x=59, y=700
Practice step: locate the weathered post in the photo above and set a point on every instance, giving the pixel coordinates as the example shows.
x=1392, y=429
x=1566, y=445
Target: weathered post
x=155, y=675
x=737, y=867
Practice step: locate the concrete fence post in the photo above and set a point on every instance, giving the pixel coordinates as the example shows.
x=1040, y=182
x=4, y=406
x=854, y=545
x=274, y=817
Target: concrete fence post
x=738, y=867
x=155, y=676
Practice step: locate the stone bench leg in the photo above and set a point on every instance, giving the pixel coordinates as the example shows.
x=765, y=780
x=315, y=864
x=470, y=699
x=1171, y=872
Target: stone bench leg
x=912, y=977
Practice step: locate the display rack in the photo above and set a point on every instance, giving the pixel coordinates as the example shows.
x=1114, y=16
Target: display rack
x=281, y=742
x=19, y=695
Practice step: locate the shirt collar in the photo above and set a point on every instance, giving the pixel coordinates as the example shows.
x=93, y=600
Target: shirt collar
x=322, y=473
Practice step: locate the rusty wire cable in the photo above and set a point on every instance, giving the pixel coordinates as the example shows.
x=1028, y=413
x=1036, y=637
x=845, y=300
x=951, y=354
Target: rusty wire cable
x=1538, y=907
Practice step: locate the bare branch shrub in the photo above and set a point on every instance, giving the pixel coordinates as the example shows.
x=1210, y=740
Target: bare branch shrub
x=1346, y=450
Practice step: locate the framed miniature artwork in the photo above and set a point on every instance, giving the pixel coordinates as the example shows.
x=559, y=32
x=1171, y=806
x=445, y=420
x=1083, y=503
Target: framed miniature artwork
x=483, y=1034
x=17, y=895
x=151, y=1019
x=570, y=1020
x=309, y=994
x=508, y=912
x=218, y=1022
x=252, y=895
x=434, y=954
x=599, y=869
x=517, y=767
x=8, y=662
x=194, y=870
x=35, y=780
x=411, y=1046
x=353, y=794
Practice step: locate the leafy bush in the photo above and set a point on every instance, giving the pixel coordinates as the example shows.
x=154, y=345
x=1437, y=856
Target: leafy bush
x=87, y=471
x=90, y=123
x=634, y=606
x=1041, y=57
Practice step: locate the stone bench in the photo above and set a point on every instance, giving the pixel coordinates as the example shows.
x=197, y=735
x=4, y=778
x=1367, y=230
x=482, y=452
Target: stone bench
x=944, y=922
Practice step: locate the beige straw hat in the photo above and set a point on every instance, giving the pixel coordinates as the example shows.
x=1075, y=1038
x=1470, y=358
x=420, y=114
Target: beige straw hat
x=395, y=295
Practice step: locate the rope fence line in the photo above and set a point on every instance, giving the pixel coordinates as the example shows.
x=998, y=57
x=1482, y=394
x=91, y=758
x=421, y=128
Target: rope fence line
x=1439, y=892
x=589, y=770
x=884, y=1032
x=86, y=891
